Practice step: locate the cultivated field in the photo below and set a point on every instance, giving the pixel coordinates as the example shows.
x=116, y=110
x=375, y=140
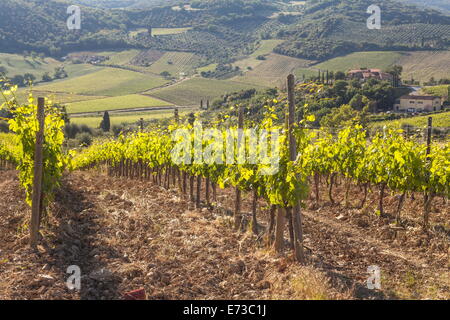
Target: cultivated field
x=265, y=48
x=420, y=65
x=176, y=63
x=114, y=103
x=58, y=97
x=121, y=57
x=438, y=90
x=190, y=92
x=107, y=82
x=423, y=65
x=305, y=72
x=167, y=31
x=117, y=119
x=375, y=59
x=160, y=31
x=272, y=71
x=19, y=65
x=440, y=120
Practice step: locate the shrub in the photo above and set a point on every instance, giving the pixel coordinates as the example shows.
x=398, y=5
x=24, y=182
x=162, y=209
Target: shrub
x=4, y=126
x=71, y=130
x=86, y=129
x=84, y=139
x=117, y=129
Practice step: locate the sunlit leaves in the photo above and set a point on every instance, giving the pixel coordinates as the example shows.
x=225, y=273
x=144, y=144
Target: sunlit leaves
x=25, y=126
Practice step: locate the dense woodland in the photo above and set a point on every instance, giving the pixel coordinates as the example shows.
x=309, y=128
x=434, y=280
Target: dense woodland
x=322, y=29
x=332, y=28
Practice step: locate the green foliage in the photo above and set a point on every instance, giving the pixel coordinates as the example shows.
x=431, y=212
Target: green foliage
x=84, y=139
x=105, y=125
x=25, y=125
x=46, y=77
x=345, y=116
x=45, y=29
x=332, y=28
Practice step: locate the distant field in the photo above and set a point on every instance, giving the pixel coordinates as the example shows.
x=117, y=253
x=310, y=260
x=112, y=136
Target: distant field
x=60, y=97
x=107, y=82
x=439, y=120
x=115, y=103
x=78, y=70
x=18, y=65
x=209, y=67
x=442, y=91
x=422, y=65
x=306, y=72
x=376, y=59
x=121, y=58
x=273, y=71
x=166, y=31
x=176, y=62
x=266, y=47
x=159, y=31
x=190, y=92
x=94, y=122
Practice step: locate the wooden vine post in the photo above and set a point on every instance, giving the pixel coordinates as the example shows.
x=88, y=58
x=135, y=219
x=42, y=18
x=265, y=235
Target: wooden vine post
x=279, y=230
x=177, y=115
x=296, y=212
x=177, y=174
x=36, y=207
x=199, y=188
x=428, y=197
x=237, y=208
x=207, y=191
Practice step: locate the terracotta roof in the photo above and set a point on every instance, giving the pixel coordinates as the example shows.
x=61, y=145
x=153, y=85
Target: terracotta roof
x=365, y=70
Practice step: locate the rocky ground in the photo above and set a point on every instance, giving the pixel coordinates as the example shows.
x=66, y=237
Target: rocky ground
x=125, y=235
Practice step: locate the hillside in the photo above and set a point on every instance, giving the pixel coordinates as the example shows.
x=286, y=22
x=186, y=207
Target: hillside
x=417, y=65
x=440, y=121
x=113, y=4
x=222, y=30
x=443, y=5
x=41, y=25
x=331, y=28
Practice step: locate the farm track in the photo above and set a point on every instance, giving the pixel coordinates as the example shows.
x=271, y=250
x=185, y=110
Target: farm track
x=165, y=86
x=126, y=234
x=132, y=110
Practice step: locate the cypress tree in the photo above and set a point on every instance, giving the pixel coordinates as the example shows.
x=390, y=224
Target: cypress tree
x=105, y=125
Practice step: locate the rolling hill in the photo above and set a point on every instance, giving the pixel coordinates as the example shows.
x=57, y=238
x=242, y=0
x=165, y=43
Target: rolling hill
x=331, y=28
x=40, y=25
x=418, y=65
x=223, y=30
x=272, y=71
x=190, y=92
x=443, y=5
x=107, y=82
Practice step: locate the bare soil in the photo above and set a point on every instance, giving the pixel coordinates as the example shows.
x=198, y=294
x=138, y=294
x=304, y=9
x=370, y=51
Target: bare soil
x=127, y=234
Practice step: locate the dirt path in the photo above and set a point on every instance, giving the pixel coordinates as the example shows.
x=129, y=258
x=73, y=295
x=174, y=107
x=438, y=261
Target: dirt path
x=338, y=248
x=126, y=235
